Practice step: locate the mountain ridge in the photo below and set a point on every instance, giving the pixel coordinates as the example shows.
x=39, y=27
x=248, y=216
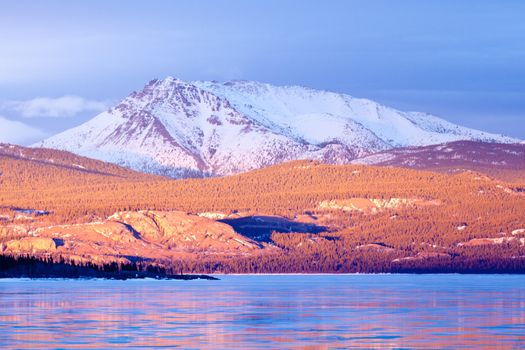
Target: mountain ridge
x=503, y=161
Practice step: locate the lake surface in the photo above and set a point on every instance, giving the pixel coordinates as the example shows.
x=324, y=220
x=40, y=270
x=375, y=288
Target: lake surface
x=267, y=311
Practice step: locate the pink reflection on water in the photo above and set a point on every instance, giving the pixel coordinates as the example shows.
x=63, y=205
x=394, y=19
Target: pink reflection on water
x=267, y=312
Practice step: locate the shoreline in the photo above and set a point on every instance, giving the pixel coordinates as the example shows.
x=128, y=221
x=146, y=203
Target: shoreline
x=111, y=277
x=218, y=277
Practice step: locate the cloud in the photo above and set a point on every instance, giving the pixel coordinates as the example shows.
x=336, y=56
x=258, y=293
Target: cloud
x=19, y=133
x=61, y=107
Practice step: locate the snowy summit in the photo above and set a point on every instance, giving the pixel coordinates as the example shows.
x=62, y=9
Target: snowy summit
x=202, y=128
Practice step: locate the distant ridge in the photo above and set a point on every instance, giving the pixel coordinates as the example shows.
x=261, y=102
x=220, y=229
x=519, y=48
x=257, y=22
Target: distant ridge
x=503, y=161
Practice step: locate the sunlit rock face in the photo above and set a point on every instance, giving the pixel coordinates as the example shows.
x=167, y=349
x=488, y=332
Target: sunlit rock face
x=130, y=235
x=30, y=245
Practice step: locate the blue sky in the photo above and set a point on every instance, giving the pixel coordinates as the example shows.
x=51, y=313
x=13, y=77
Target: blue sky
x=62, y=61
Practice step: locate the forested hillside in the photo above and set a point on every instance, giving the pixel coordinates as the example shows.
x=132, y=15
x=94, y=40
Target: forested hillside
x=302, y=216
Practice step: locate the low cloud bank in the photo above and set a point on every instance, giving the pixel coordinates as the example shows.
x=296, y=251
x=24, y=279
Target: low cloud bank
x=18, y=133
x=61, y=107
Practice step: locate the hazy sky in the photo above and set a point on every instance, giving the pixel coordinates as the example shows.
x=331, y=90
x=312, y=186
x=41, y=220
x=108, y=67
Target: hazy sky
x=63, y=61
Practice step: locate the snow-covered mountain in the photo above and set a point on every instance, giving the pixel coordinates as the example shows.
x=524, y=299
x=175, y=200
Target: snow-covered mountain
x=180, y=129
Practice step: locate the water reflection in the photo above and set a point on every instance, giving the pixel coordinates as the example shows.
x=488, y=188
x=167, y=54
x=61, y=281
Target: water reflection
x=384, y=311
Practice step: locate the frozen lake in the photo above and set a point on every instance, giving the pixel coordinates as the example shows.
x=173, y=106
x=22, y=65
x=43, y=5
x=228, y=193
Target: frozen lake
x=267, y=311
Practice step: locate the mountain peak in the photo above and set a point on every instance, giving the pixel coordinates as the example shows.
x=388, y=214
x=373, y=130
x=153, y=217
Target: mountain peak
x=167, y=81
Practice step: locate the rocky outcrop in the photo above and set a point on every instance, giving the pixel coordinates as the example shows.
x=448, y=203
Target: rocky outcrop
x=373, y=205
x=30, y=245
x=177, y=229
x=489, y=241
x=131, y=235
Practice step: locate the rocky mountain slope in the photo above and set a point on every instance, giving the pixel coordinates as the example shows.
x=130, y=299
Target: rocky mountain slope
x=182, y=129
